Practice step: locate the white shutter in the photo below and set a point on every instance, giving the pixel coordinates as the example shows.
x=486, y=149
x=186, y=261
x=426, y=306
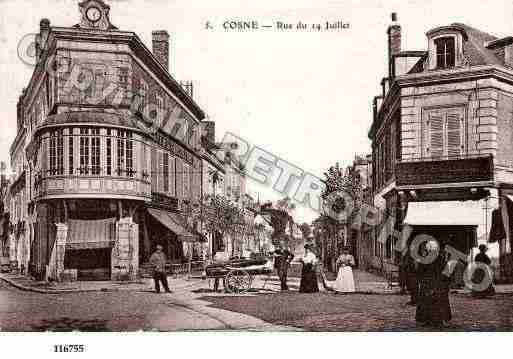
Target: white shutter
x=454, y=132
x=435, y=126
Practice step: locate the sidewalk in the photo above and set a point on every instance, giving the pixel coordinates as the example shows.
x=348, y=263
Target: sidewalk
x=366, y=283
x=144, y=284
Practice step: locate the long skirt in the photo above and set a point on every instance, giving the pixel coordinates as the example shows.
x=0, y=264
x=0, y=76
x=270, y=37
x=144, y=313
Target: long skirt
x=308, y=279
x=433, y=305
x=345, y=280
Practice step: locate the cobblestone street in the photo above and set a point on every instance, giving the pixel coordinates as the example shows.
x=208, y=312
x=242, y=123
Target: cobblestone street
x=360, y=312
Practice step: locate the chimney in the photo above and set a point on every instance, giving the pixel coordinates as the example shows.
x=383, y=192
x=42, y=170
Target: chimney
x=42, y=37
x=394, y=44
x=160, y=41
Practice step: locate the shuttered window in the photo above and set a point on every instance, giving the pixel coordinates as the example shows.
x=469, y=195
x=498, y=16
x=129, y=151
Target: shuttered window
x=454, y=124
x=444, y=132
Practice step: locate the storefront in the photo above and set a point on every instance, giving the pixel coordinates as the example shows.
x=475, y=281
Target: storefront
x=452, y=223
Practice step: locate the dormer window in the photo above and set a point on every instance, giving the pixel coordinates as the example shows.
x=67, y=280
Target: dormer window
x=445, y=52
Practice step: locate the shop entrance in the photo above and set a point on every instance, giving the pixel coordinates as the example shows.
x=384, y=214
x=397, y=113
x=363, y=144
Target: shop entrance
x=91, y=264
x=461, y=238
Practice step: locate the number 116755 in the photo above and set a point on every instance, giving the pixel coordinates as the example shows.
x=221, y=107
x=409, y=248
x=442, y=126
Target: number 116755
x=78, y=348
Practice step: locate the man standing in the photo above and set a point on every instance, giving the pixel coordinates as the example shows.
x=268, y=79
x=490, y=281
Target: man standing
x=158, y=261
x=282, y=260
x=412, y=285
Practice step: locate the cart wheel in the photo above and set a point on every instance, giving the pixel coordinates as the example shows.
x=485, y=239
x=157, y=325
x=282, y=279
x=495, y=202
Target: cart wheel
x=237, y=281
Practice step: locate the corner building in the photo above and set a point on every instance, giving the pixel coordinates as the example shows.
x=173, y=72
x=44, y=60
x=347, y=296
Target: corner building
x=109, y=150
x=442, y=141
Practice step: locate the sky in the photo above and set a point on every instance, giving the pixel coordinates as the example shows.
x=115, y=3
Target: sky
x=304, y=96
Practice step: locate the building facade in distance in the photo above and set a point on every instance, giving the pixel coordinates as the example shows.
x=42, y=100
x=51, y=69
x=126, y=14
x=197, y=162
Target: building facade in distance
x=107, y=152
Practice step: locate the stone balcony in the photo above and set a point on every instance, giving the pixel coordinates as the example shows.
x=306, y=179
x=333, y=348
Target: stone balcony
x=90, y=186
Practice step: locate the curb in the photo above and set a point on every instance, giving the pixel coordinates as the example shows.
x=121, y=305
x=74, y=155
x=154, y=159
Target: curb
x=43, y=291
x=25, y=288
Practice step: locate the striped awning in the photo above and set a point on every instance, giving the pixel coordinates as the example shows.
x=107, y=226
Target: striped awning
x=172, y=222
x=91, y=234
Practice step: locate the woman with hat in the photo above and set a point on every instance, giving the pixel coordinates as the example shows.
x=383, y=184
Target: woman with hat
x=308, y=273
x=483, y=274
x=433, y=307
x=345, y=278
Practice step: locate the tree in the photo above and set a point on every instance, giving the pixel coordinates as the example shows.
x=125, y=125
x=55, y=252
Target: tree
x=340, y=186
x=280, y=218
x=220, y=215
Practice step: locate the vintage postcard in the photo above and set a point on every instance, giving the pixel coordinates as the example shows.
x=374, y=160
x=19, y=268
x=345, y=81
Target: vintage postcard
x=271, y=166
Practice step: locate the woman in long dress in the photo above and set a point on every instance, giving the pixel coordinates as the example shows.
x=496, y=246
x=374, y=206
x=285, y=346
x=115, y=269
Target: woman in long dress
x=308, y=273
x=345, y=278
x=433, y=307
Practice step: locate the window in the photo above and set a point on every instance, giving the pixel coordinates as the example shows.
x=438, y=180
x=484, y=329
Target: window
x=143, y=93
x=444, y=132
x=121, y=152
x=95, y=151
x=56, y=153
x=179, y=178
x=125, y=154
x=84, y=151
x=109, y=153
x=160, y=109
x=166, y=172
x=71, y=144
x=445, y=52
x=123, y=75
x=98, y=84
x=186, y=181
x=129, y=155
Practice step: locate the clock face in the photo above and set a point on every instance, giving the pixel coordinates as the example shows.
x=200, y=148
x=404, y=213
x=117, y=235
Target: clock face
x=93, y=14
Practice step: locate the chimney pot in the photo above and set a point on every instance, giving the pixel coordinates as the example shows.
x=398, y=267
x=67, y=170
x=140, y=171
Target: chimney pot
x=160, y=40
x=44, y=24
x=394, y=45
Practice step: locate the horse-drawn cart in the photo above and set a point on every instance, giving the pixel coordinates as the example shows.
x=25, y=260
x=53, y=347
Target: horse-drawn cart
x=238, y=274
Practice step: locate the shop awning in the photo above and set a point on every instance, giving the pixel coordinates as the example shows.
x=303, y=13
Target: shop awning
x=445, y=213
x=90, y=234
x=172, y=222
x=501, y=220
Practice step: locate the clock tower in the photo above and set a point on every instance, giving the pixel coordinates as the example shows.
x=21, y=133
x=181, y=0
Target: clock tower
x=94, y=14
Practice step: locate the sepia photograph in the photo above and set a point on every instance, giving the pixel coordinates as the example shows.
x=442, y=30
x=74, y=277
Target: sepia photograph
x=287, y=167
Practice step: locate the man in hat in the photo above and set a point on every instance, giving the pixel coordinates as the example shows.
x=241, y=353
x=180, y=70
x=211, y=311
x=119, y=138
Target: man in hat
x=158, y=262
x=282, y=259
x=481, y=274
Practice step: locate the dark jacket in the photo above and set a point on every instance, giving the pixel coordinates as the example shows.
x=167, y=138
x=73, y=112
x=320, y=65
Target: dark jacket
x=282, y=257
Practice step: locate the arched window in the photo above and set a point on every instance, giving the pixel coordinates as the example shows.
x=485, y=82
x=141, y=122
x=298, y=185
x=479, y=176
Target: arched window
x=445, y=52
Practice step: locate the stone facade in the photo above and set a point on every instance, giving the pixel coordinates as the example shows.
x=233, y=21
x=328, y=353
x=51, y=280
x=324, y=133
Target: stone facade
x=103, y=132
x=442, y=127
